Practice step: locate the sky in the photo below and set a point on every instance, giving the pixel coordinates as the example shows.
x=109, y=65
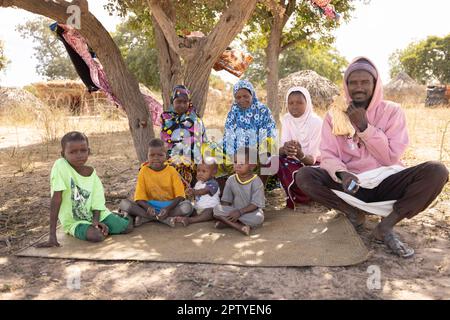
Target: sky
x=376, y=30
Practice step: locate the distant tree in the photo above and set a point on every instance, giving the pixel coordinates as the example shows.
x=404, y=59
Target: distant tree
x=52, y=59
x=425, y=61
x=138, y=48
x=323, y=59
x=278, y=25
x=3, y=60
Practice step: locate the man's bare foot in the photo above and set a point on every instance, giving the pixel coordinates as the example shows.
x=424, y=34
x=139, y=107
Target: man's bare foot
x=185, y=221
x=245, y=230
x=220, y=225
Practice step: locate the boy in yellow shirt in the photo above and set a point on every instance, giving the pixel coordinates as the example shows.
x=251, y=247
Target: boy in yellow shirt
x=159, y=194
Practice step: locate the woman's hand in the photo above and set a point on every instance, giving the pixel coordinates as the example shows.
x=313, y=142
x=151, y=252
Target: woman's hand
x=290, y=148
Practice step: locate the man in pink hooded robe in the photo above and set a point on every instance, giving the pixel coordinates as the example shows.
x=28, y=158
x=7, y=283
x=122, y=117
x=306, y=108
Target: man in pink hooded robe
x=360, y=171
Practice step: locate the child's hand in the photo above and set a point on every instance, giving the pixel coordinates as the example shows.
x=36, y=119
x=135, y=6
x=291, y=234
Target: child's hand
x=151, y=213
x=163, y=214
x=52, y=242
x=102, y=227
x=190, y=192
x=234, y=216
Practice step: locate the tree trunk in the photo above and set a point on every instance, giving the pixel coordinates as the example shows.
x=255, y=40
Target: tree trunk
x=197, y=79
x=123, y=84
x=169, y=61
x=272, y=66
x=201, y=55
x=169, y=66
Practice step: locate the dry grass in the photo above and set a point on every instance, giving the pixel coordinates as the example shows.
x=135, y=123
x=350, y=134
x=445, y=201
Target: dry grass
x=24, y=211
x=53, y=122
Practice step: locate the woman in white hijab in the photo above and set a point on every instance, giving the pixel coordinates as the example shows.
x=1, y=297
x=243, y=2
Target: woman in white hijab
x=300, y=140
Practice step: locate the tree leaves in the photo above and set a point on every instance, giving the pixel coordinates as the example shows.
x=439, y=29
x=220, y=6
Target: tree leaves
x=424, y=61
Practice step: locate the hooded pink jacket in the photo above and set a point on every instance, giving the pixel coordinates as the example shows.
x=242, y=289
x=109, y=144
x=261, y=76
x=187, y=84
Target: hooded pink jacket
x=381, y=144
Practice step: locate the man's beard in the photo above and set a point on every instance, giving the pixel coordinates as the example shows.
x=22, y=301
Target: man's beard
x=362, y=104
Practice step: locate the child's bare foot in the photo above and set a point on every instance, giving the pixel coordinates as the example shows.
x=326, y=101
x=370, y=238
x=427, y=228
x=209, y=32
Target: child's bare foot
x=220, y=225
x=245, y=230
x=121, y=213
x=138, y=221
x=183, y=220
x=170, y=221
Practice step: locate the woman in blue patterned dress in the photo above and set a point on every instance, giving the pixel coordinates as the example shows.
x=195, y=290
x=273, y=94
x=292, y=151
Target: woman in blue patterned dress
x=249, y=124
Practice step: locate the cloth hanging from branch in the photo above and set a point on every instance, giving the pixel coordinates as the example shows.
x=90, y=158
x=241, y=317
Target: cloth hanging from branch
x=91, y=71
x=326, y=9
x=234, y=61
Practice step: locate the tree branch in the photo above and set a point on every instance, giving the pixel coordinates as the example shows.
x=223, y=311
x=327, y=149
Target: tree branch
x=290, y=8
x=165, y=25
x=230, y=24
x=54, y=10
x=288, y=45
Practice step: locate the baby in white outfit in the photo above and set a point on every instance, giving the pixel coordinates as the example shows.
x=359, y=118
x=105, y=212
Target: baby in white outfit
x=206, y=192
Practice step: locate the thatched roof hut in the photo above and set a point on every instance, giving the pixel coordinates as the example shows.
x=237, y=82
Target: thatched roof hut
x=321, y=89
x=14, y=97
x=69, y=93
x=404, y=89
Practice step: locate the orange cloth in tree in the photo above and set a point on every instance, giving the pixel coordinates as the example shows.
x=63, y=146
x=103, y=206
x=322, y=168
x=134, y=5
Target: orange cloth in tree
x=233, y=61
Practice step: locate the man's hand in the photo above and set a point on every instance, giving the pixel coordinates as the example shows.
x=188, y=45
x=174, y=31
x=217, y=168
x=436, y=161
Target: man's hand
x=358, y=117
x=350, y=182
x=234, y=216
x=52, y=242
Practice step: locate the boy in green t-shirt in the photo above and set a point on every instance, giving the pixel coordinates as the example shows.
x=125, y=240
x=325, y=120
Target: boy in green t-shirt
x=78, y=199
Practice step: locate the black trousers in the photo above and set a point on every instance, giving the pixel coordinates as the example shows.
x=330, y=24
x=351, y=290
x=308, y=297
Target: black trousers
x=414, y=189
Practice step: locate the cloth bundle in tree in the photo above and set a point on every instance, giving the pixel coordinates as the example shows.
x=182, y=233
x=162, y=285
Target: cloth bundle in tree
x=326, y=8
x=233, y=61
x=90, y=69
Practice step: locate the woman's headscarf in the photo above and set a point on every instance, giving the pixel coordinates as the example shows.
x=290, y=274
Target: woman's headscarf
x=305, y=129
x=185, y=131
x=248, y=127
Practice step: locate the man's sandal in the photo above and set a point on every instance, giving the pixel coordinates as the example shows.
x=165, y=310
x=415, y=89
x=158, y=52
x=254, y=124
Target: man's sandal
x=392, y=241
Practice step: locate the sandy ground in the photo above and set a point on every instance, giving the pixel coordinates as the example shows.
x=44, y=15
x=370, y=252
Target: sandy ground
x=24, y=210
x=18, y=137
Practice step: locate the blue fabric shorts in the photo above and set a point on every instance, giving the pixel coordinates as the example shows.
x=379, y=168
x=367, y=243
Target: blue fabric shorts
x=158, y=205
